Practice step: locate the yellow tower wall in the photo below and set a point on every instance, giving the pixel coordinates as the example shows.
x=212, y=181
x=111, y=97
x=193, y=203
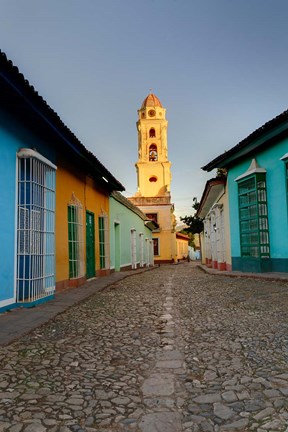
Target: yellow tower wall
x=154, y=176
x=159, y=171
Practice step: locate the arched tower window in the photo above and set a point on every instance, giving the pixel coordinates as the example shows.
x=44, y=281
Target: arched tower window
x=153, y=155
x=152, y=133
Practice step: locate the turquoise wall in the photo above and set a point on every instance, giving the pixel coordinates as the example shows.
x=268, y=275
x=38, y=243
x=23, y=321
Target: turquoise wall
x=276, y=200
x=13, y=136
x=127, y=220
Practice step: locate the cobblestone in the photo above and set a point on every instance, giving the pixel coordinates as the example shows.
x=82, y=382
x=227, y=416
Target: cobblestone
x=173, y=349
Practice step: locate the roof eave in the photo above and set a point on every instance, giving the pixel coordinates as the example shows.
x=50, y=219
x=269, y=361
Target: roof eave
x=30, y=97
x=267, y=134
x=213, y=188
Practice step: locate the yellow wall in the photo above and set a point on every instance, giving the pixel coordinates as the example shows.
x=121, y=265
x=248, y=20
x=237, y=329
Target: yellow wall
x=166, y=234
x=92, y=198
x=182, y=248
x=159, y=170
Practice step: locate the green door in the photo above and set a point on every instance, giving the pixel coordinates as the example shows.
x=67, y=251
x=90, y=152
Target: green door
x=90, y=245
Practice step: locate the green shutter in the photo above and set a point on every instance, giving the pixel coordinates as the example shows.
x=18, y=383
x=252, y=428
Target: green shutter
x=253, y=216
x=102, y=241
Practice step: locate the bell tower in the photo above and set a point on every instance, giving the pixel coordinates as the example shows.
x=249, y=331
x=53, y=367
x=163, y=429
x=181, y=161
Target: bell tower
x=153, y=166
x=154, y=178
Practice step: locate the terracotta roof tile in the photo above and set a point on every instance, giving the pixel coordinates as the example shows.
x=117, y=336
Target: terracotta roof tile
x=151, y=101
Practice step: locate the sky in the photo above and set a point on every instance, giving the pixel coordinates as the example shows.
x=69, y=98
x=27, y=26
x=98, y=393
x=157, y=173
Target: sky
x=219, y=67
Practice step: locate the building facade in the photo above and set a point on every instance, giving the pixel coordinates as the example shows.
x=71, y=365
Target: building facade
x=154, y=177
x=182, y=243
x=215, y=238
x=130, y=235
x=258, y=198
x=52, y=190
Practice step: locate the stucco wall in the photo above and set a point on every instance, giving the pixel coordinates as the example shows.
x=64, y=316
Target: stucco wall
x=13, y=136
x=126, y=220
x=276, y=199
x=225, y=201
x=70, y=180
x=167, y=238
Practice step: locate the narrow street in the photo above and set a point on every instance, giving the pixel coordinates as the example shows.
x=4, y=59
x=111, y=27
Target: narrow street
x=168, y=350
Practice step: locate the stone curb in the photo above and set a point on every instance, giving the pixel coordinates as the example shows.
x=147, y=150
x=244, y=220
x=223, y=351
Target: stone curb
x=263, y=276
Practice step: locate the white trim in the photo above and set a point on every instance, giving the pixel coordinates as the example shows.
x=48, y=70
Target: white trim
x=253, y=169
x=141, y=249
x=125, y=265
x=284, y=157
x=16, y=230
x=27, y=153
x=7, y=302
x=36, y=253
x=133, y=245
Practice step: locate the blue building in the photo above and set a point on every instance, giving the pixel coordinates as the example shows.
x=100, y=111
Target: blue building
x=257, y=185
x=27, y=205
x=33, y=140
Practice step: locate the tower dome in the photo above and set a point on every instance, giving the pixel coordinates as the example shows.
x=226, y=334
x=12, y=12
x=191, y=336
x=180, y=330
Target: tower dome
x=151, y=101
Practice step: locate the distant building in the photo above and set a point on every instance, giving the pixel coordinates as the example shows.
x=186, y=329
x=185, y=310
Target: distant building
x=154, y=177
x=258, y=198
x=215, y=238
x=131, y=244
x=182, y=246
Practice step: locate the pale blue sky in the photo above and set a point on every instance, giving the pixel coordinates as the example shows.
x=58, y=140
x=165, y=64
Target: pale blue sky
x=219, y=67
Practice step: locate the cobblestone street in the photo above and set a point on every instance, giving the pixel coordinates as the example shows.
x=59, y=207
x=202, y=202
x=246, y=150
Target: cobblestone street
x=168, y=350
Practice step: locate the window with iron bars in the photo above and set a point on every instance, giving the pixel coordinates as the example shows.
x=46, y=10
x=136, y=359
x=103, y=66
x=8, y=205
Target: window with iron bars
x=253, y=216
x=35, y=277
x=75, y=238
x=103, y=241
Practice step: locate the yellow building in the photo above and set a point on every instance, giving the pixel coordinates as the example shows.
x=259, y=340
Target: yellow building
x=82, y=240
x=182, y=241
x=154, y=177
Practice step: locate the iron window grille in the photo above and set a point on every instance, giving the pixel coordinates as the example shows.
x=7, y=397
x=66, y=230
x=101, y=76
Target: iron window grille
x=253, y=216
x=75, y=238
x=103, y=227
x=35, y=274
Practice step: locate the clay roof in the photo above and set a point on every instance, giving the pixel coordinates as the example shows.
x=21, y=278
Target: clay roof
x=123, y=200
x=211, y=192
x=20, y=98
x=182, y=236
x=151, y=101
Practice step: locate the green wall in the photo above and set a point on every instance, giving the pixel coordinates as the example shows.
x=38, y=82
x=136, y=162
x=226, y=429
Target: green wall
x=270, y=159
x=126, y=220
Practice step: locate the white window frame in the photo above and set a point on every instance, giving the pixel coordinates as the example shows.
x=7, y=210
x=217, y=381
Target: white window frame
x=133, y=248
x=35, y=244
x=106, y=256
